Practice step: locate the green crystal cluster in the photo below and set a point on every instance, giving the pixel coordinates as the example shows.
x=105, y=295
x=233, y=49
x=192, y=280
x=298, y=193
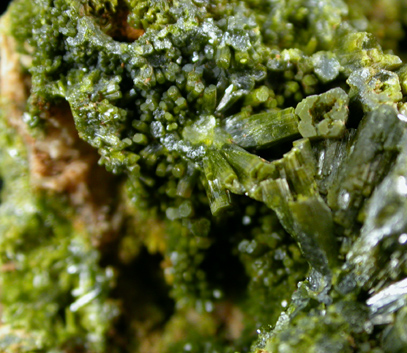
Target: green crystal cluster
x=203, y=176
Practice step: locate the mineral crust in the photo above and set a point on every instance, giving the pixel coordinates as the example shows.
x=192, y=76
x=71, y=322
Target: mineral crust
x=203, y=176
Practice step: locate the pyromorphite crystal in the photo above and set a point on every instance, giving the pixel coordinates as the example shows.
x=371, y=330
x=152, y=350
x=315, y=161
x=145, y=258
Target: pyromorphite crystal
x=324, y=115
x=203, y=176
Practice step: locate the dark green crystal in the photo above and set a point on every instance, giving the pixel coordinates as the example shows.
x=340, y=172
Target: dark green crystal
x=203, y=176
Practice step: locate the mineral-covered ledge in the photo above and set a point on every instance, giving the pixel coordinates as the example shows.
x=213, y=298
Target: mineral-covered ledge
x=203, y=176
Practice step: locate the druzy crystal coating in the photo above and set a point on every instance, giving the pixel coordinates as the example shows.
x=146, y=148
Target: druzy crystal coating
x=203, y=176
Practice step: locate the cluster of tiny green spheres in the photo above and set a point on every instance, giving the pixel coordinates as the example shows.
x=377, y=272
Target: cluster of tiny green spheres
x=268, y=138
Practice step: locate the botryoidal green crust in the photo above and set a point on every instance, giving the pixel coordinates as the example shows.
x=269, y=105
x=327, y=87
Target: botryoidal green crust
x=262, y=142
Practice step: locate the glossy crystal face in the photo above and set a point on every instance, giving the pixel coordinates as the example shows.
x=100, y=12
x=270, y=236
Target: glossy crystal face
x=203, y=176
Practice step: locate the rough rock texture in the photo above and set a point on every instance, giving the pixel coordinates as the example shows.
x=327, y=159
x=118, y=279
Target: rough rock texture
x=203, y=176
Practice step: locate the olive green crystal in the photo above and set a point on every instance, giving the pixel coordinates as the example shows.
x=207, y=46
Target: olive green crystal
x=203, y=176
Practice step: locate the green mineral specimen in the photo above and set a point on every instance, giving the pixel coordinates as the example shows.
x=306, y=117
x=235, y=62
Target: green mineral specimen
x=203, y=176
x=324, y=115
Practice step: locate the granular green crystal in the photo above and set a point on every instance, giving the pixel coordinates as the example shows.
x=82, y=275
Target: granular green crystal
x=203, y=176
